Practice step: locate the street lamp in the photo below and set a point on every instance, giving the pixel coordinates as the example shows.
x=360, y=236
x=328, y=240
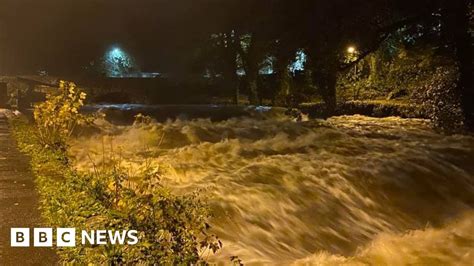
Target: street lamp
x=351, y=49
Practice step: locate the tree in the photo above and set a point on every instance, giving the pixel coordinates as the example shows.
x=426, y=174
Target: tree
x=218, y=56
x=252, y=53
x=324, y=29
x=330, y=27
x=284, y=55
x=288, y=40
x=456, y=19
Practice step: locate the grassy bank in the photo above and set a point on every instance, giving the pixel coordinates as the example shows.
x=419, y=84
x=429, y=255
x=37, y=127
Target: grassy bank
x=172, y=229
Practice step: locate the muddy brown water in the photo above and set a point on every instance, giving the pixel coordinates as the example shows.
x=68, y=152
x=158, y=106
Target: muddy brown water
x=348, y=190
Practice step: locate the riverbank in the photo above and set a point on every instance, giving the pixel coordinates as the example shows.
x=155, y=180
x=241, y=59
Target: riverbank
x=145, y=90
x=372, y=108
x=125, y=113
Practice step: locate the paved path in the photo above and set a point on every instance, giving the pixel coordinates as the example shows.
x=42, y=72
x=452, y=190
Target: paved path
x=18, y=203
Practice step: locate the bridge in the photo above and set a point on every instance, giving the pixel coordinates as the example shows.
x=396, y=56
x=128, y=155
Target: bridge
x=20, y=92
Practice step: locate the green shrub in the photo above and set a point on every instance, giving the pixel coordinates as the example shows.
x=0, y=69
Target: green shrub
x=58, y=116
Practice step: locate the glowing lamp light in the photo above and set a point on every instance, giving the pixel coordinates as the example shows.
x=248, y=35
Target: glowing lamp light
x=118, y=62
x=351, y=49
x=116, y=53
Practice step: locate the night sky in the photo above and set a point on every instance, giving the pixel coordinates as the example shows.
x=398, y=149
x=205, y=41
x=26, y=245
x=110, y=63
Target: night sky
x=63, y=35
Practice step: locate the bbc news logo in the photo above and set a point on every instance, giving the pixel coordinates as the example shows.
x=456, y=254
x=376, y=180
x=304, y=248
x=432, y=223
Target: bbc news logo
x=66, y=237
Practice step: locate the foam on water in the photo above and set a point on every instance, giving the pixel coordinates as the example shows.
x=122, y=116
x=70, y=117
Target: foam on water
x=348, y=190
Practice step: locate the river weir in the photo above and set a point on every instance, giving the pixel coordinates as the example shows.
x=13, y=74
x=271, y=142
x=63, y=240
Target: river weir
x=348, y=190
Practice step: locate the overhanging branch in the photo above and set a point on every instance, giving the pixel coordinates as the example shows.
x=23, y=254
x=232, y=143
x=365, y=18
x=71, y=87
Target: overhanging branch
x=383, y=34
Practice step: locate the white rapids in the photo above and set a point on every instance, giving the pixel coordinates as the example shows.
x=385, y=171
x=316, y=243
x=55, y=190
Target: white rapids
x=351, y=190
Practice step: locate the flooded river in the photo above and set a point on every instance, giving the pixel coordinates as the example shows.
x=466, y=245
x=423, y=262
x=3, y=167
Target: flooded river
x=349, y=190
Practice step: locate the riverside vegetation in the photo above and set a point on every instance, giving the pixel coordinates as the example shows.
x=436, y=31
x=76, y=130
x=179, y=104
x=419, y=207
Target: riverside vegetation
x=173, y=229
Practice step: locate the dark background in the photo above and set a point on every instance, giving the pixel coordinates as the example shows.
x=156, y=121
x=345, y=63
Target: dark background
x=62, y=36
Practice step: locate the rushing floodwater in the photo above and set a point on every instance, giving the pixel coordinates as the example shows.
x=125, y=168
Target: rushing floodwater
x=350, y=190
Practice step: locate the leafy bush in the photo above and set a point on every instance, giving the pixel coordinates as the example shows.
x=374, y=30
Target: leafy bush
x=395, y=71
x=58, y=116
x=418, y=74
x=443, y=102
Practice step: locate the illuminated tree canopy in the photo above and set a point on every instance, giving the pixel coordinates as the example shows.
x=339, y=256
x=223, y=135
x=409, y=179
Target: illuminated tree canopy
x=118, y=63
